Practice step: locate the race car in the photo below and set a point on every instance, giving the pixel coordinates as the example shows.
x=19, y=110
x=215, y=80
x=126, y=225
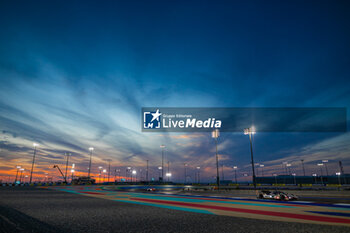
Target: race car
x=276, y=195
x=151, y=189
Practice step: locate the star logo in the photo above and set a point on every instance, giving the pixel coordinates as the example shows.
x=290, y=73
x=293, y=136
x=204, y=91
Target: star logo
x=156, y=115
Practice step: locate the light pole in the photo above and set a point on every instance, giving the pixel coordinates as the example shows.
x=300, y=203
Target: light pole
x=320, y=165
x=185, y=167
x=216, y=134
x=198, y=174
x=72, y=171
x=90, y=149
x=65, y=177
x=302, y=163
x=20, y=176
x=235, y=168
x=257, y=169
x=288, y=165
x=147, y=172
x=162, y=146
x=100, y=169
x=338, y=174
x=284, y=164
x=168, y=174
x=295, y=181
x=31, y=171
x=325, y=161
x=17, y=167
x=160, y=173
x=222, y=172
x=46, y=175
x=275, y=175
x=262, y=169
x=315, y=175
x=109, y=168
x=251, y=131
x=117, y=171
x=342, y=171
x=104, y=174
x=168, y=170
x=133, y=174
x=127, y=171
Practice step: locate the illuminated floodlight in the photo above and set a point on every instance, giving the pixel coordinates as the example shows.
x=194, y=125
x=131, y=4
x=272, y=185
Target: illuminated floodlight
x=274, y=174
x=91, y=149
x=338, y=173
x=320, y=164
x=162, y=146
x=198, y=168
x=22, y=169
x=35, y=144
x=104, y=170
x=294, y=174
x=18, y=167
x=250, y=130
x=325, y=161
x=215, y=133
x=100, y=167
x=314, y=174
x=288, y=164
x=73, y=165
x=160, y=168
x=168, y=174
x=134, y=172
x=234, y=167
x=72, y=170
x=262, y=165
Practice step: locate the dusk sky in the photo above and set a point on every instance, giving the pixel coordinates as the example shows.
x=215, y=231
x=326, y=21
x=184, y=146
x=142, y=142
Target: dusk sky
x=75, y=75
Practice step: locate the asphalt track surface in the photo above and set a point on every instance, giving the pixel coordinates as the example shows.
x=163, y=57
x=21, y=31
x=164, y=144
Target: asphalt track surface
x=28, y=209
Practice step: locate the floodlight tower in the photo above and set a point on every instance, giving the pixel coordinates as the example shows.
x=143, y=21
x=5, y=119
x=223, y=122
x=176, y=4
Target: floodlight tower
x=90, y=149
x=31, y=171
x=250, y=131
x=162, y=146
x=216, y=134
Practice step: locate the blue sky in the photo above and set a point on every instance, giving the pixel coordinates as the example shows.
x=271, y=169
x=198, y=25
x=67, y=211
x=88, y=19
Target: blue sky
x=75, y=75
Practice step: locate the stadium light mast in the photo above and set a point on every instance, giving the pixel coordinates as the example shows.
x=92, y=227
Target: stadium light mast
x=17, y=167
x=325, y=161
x=288, y=165
x=20, y=176
x=65, y=176
x=185, y=168
x=235, y=168
x=320, y=165
x=262, y=169
x=162, y=146
x=109, y=168
x=302, y=163
x=90, y=149
x=31, y=171
x=250, y=131
x=147, y=172
x=134, y=174
x=215, y=135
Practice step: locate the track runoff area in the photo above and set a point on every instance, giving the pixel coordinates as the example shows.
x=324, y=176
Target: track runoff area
x=296, y=211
